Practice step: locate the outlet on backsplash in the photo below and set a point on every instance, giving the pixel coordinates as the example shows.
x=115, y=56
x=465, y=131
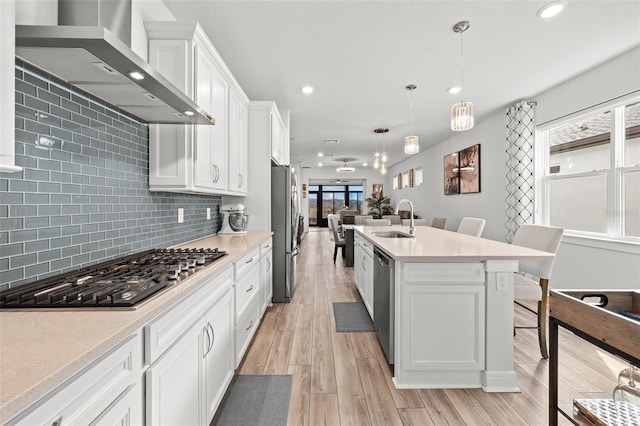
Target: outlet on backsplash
x=208, y=213
x=180, y=215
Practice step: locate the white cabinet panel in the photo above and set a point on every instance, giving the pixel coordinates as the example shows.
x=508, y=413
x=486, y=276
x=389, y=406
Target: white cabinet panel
x=173, y=382
x=7, y=87
x=219, y=359
x=457, y=343
x=238, y=129
x=266, y=279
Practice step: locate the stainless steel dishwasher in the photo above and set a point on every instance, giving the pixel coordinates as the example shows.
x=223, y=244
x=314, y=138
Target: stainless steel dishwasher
x=383, y=300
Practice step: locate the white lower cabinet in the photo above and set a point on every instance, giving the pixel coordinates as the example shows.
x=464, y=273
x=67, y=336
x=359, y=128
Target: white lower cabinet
x=219, y=358
x=363, y=264
x=266, y=274
x=105, y=391
x=186, y=382
x=173, y=391
x=248, y=301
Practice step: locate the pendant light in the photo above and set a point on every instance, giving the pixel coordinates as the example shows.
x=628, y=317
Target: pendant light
x=411, y=142
x=379, y=161
x=462, y=112
x=344, y=168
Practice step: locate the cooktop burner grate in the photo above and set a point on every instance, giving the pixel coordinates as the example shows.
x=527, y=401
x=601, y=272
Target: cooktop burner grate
x=123, y=282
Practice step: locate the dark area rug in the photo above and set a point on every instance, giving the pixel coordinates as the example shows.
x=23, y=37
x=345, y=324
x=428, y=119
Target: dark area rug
x=255, y=400
x=351, y=317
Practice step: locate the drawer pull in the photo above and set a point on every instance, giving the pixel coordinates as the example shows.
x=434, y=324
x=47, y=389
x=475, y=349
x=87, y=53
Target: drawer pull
x=250, y=325
x=249, y=289
x=57, y=422
x=249, y=261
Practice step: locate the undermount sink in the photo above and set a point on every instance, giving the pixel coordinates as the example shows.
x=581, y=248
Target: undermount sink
x=391, y=234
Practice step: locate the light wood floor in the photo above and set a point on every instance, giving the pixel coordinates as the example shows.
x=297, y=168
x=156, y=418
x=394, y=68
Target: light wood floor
x=343, y=378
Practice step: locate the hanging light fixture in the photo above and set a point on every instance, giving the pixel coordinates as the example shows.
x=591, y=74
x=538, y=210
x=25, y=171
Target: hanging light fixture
x=411, y=145
x=381, y=158
x=383, y=169
x=462, y=112
x=344, y=168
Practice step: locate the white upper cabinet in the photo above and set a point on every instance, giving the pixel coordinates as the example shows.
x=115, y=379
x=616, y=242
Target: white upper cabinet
x=7, y=87
x=279, y=138
x=238, y=126
x=197, y=158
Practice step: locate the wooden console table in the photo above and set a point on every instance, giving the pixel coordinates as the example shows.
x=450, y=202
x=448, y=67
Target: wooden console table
x=598, y=323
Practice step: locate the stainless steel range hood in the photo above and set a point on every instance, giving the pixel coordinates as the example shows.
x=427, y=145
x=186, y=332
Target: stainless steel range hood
x=93, y=58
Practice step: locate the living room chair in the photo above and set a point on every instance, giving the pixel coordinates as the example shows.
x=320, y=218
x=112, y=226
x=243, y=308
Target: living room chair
x=471, y=226
x=532, y=281
x=438, y=222
x=338, y=240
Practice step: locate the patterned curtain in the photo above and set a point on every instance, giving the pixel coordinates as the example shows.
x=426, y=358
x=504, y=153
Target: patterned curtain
x=520, y=166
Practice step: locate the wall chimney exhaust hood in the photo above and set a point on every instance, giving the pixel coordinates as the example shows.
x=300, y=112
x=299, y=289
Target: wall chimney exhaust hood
x=93, y=58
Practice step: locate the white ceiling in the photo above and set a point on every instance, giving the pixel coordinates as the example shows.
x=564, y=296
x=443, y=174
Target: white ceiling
x=360, y=55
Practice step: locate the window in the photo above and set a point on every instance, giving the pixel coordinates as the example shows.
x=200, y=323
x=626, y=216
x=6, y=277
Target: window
x=330, y=199
x=590, y=180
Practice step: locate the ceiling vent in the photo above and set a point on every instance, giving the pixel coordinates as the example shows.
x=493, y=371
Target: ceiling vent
x=332, y=141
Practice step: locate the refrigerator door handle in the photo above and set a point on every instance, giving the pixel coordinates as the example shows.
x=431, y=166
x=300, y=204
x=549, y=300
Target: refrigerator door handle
x=295, y=252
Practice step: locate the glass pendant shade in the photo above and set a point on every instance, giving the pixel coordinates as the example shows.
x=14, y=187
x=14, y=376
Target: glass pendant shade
x=462, y=116
x=411, y=145
x=383, y=157
x=383, y=169
x=376, y=163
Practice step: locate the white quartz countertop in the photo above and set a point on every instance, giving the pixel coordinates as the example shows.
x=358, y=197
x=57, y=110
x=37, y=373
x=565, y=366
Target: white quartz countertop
x=439, y=245
x=40, y=349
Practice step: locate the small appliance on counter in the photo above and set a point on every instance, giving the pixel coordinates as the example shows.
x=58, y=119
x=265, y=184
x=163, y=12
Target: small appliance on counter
x=234, y=219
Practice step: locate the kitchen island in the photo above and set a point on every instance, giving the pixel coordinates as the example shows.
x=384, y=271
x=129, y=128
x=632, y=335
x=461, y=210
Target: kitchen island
x=452, y=307
x=43, y=351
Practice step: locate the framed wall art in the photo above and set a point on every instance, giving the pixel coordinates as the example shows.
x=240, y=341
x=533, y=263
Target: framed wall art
x=469, y=166
x=377, y=189
x=451, y=175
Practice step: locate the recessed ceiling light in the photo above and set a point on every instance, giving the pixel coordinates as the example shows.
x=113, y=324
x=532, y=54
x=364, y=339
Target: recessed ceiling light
x=320, y=154
x=453, y=90
x=551, y=9
x=189, y=113
x=136, y=75
x=364, y=164
x=307, y=90
x=319, y=164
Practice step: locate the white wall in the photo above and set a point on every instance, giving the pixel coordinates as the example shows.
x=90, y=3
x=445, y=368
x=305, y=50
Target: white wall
x=580, y=263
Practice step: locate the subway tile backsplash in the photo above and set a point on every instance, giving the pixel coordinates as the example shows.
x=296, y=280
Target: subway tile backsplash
x=83, y=195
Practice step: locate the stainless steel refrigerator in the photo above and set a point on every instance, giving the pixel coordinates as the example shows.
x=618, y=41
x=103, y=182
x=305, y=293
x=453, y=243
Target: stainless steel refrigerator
x=285, y=209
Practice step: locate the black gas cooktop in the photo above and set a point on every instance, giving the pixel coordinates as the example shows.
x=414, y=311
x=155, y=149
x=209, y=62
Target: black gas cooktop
x=123, y=282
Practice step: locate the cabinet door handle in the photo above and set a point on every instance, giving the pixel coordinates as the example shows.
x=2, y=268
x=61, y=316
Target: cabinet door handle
x=268, y=264
x=205, y=348
x=213, y=336
x=250, y=325
x=240, y=180
x=213, y=173
x=249, y=289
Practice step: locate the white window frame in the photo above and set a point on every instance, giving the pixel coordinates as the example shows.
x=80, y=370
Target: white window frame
x=613, y=238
